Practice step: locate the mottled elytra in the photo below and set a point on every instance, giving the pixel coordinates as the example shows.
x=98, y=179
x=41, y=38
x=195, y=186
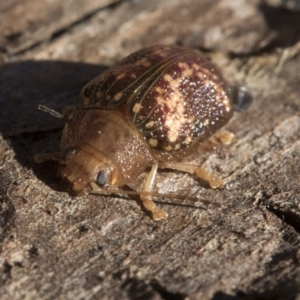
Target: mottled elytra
x=172, y=95
x=151, y=110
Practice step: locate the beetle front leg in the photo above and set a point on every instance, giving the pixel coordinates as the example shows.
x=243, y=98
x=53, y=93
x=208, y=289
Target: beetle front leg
x=156, y=213
x=42, y=157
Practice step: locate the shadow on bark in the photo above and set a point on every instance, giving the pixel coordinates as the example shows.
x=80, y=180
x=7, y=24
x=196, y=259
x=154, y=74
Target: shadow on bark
x=24, y=86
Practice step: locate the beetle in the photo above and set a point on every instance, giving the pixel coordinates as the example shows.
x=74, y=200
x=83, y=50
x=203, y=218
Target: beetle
x=151, y=110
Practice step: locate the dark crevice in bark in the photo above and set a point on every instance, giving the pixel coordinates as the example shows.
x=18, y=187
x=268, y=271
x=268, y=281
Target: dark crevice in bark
x=165, y=293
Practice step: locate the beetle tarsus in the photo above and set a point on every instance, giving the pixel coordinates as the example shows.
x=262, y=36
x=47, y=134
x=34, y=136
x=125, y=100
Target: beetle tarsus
x=157, y=214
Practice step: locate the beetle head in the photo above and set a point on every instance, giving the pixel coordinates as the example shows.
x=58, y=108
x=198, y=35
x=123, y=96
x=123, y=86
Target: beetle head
x=79, y=168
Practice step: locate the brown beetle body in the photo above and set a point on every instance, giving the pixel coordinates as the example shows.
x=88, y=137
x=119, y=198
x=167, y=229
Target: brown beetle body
x=152, y=109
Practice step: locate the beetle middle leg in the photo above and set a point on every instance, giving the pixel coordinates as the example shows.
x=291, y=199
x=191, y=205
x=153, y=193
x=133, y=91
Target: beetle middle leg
x=156, y=213
x=205, y=177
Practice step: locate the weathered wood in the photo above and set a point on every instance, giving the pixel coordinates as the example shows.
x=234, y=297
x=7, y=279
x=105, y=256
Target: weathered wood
x=54, y=246
x=28, y=23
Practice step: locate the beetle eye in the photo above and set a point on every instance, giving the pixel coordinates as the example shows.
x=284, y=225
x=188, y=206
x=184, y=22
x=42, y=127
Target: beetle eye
x=69, y=152
x=101, y=178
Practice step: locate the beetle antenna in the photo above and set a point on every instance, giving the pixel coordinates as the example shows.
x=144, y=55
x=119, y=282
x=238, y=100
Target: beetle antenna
x=154, y=194
x=51, y=111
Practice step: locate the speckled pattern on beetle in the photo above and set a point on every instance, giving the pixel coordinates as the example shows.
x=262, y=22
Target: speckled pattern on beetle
x=150, y=110
x=172, y=95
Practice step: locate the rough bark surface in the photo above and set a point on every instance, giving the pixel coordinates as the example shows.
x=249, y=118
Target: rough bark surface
x=54, y=246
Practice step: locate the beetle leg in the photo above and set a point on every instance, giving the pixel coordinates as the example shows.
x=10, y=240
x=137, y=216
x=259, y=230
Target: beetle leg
x=148, y=204
x=42, y=157
x=212, y=181
x=223, y=137
x=205, y=177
